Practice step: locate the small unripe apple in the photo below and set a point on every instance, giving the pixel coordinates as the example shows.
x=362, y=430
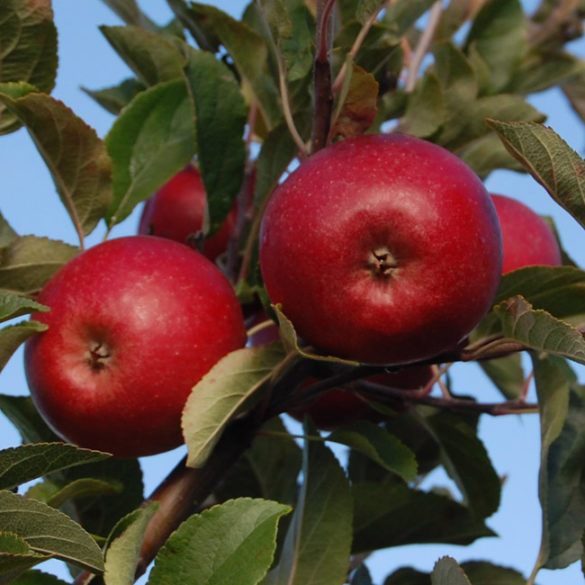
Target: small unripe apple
x=526, y=237
x=385, y=249
x=341, y=406
x=177, y=212
x=134, y=323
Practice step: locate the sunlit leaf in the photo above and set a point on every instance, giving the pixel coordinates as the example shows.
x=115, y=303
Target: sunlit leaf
x=12, y=306
x=12, y=336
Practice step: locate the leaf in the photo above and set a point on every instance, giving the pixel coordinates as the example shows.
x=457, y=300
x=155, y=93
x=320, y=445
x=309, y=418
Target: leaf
x=499, y=34
x=484, y=573
x=549, y=159
x=13, y=336
x=408, y=576
x=230, y=543
x=115, y=98
x=393, y=514
x=37, y=578
x=467, y=462
x=74, y=154
x=447, y=572
x=21, y=412
x=151, y=140
x=249, y=53
x=27, y=462
x=7, y=234
x=221, y=115
x=16, y=556
x=130, y=13
x=507, y=374
x=381, y=446
x=123, y=547
x=12, y=306
x=151, y=56
x=29, y=262
x=425, y=110
x=317, y=545
x=48, y=531
x=539, y=330
x=357, y=108
x=225, y=390
x=361, y=576
x=561, y=482
x=29, y=50
x=86, y=488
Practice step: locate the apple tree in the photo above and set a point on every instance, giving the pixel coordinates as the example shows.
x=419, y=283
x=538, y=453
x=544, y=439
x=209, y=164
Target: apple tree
x=247, y=101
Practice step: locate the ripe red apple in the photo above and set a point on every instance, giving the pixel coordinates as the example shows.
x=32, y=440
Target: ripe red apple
x=384, y=249
x=340, y=406
x=527, y=239
x=177, y=212
x=134, y=323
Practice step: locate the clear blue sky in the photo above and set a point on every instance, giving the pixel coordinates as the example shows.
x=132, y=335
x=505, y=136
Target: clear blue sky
x=29, y=202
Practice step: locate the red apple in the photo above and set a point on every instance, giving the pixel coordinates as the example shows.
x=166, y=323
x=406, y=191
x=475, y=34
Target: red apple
x=134, y=323
x=384, y=249
x=526, y=237
x=177, y=212
x=340, y=406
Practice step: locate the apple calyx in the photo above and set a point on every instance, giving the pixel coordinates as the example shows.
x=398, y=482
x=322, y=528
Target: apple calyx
x=382, y=262
x=99, y=356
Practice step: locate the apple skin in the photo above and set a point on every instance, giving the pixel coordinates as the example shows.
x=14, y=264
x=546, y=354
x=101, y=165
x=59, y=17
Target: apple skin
x=526, y=237
x=177, y=212
x=341, y=406
x=327, y=227
x=159, y=314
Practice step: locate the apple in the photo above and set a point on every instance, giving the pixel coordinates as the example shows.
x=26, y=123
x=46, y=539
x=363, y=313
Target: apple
x=526, y=237
x=343, y=405
x=385, y=249
x=134, y=323
x=177, y=212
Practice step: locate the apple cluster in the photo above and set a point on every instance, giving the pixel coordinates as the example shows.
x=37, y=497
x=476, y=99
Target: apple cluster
x=382, y=249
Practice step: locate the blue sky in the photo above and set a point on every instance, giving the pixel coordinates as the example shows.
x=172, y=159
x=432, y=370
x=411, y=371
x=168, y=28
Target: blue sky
x=29, y=202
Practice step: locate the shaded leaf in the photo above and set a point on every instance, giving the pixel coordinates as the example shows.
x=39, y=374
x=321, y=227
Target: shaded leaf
x=29, y=50
x=48, y=531
x=217, y=545
x=130, y=13
x=74, y=154
x=425, y=110
x=7, y=234
x=37, y=578
x=550, y=160
x=12, y=306
x=380, y=445
x=151, y=140
x=85, y=488
x=361, y=576
x=22, y=464
x=123, y=547
x=484, y=573
x=395, y=514
x=507, y=374
x=114, y=98
x=221, y=115
x=561, y=482
x=317, y=546
x=151, y=56
x=13, y=336
x=408, y=576
x=29, y=261
x=230, y=386
x=21, y=412
x=447, y=572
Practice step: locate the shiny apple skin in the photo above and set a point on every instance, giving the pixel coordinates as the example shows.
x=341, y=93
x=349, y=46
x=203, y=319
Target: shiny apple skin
x=526, y=237
x=382, y=192
x=177, y=212
x=161, y=312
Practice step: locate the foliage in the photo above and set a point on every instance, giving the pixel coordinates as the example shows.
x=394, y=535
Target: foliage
x=251, y=97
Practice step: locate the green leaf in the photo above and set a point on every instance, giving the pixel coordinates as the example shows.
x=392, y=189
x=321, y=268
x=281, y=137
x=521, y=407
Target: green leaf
x=447, y=572
x=507, y=374
x=21, y=412
x=249, y=53
x=484, y=573
x=425, y=110
x=203, y=33
x=29, y=50
x=221, y=115
x=561, y=482
x=48, y=531
x=130, y=13
x=230, y=543
x=85, y=488
x=37, y=578
x=151, y=56
x=499, y=34
x=381, y=446
x=12, y=306
x=317, y=546
x=361, y=576
x=27, y=462
x=467, y=462
x=539, y=330
x=408, y=576
x=123, y=547
x=151, y=140
x=13, y=336
x=550, y=160
x=29, y=262
x=7, y=234
x=16, y=556
x=393, y=514
x=230, y=386
x=115, y=98
x=74, y=154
